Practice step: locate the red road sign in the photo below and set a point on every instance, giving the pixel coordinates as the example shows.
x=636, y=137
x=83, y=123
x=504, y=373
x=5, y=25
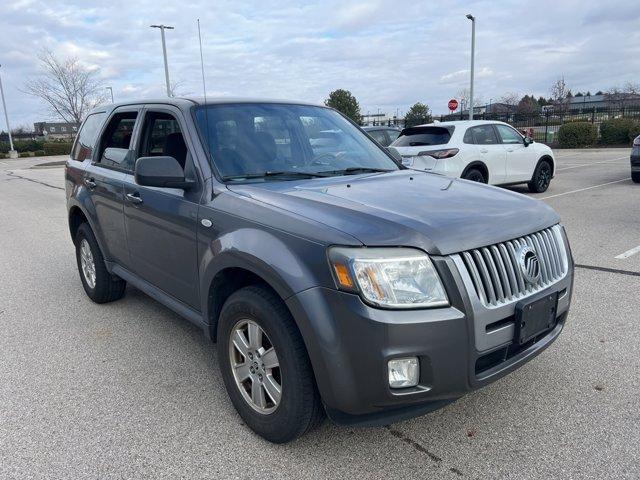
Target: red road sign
x=453, y=104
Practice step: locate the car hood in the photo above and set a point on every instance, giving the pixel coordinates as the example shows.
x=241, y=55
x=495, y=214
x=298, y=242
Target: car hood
x=441, y=215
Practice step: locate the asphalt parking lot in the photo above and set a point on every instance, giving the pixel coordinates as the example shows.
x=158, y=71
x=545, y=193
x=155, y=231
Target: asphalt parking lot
x=130, y=390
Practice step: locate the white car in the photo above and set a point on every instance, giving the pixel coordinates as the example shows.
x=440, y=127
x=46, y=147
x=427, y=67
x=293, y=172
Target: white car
x=479, y=150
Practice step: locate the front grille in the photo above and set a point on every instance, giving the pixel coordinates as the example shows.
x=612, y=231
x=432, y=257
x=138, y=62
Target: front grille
x=496, y=274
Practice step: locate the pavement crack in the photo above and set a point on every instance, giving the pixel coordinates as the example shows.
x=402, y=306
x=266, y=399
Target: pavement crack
x=609, y=270
x=18, y=177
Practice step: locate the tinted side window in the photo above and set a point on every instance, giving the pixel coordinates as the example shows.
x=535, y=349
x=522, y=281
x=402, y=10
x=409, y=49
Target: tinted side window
x=116, y=140
x=484, y=135
x=468, y=136
x=509, y=135
x=163, y=137
x=87, y=137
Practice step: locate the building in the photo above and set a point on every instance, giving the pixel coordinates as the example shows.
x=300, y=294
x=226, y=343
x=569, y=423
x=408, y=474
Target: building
x=56, y=131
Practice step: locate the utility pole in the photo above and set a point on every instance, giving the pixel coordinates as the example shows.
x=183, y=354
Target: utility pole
x=164, y=53
x=12, y=152
x=110, y=90
x=473, y=54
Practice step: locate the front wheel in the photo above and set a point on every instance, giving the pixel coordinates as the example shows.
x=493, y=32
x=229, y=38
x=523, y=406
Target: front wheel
x=265, y=366
x=541, y=177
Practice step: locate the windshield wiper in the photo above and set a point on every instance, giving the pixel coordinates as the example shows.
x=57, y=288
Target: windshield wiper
x=284, y=173
x=356, y=170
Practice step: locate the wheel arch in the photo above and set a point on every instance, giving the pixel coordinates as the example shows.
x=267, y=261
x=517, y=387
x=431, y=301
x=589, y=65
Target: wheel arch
x=478, y=165
x=549, y=159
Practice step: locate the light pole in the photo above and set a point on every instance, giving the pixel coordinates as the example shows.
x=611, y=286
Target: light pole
x=12, y=152
x=164, y=53
x=473, y=54
x=110, y=90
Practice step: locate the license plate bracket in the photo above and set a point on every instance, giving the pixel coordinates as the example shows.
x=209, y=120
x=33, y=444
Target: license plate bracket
x=535, y=316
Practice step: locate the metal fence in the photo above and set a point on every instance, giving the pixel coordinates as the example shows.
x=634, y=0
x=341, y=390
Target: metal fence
x=542, y=125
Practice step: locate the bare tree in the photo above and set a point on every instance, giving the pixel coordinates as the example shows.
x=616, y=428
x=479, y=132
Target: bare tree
x=176, y=88
x=559, y=91
x=622, y=96
x=464, y=94
x=69, y=88
x=510, y=98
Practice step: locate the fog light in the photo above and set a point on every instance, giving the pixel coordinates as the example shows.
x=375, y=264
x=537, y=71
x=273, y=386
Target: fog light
x=403, y=372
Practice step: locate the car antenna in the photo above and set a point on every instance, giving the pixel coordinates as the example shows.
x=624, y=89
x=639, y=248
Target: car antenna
x=204, y=90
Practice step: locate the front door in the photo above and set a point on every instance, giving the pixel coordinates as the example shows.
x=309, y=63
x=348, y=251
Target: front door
x=520, y=159
x=161, y=223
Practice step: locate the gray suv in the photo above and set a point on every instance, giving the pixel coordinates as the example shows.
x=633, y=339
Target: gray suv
x=334, y=280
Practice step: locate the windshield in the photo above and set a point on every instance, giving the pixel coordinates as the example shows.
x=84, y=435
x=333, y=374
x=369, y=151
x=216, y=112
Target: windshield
x=267, y=141
x=422, y=136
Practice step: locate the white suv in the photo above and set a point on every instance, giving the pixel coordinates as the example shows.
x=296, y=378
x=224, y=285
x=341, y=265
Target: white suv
x=479, y=150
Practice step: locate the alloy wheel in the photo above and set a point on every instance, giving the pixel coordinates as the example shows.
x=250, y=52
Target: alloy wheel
x=255, y=366
x=544, y=177
x=87, y=263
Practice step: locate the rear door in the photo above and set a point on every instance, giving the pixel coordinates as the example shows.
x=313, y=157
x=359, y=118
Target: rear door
x=104, y=178
x=489, y=150
x=161, y=223
x=520, y=159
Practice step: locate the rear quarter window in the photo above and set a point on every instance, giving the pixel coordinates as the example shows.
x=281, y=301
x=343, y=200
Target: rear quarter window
x=86, y=140
x=423, y=136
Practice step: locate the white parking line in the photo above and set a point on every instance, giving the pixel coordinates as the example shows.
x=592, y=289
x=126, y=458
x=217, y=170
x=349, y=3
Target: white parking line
x=586, y=188
x=628, y=253
x=592, y=163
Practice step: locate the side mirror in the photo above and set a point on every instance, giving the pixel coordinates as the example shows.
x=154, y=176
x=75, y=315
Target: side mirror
x=528, y=141
x=164, y=172
x=394, y=153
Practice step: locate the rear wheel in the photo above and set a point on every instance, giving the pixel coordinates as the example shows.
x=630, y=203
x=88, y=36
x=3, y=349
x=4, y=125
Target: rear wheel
x=265, y=366
x=541, y=177
x=475, y=175
x=98, y=283
x=635, y=176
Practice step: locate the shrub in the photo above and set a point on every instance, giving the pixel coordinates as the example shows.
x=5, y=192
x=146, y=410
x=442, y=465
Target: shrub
x=28, y=145
x=634, y=132
x=57, y=148
x=577, y=135
x=25, y=154
x=39, y=153
x=617, y=131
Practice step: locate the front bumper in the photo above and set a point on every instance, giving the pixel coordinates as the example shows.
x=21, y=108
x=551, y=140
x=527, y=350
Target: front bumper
x=635, y=159
x=350, y=343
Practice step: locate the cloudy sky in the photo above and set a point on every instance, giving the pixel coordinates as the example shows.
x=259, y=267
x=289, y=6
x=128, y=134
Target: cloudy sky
x=389, y=54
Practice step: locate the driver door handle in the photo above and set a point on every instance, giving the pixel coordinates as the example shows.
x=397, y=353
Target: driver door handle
x=134, y=198
x=90, y=183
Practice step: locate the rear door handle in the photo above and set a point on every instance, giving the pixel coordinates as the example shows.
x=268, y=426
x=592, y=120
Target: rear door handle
x=90, y=183
x=509, y=149
x=484, y=150
x=134, y=198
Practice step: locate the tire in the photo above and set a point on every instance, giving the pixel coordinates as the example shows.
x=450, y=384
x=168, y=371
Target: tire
x=299, y=409
x=541, y=177
x=635, y=176
x=474, y=175
x=101, y=287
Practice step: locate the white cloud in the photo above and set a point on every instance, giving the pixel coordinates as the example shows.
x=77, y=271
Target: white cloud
x=390, y=54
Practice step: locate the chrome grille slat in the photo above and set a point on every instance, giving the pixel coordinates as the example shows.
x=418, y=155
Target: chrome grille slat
x=496, y=274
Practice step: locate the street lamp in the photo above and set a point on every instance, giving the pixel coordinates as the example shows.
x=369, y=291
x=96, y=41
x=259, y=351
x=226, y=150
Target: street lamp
x=164, y=53
x=12, y=152
x=473, y=54
x=110, y=90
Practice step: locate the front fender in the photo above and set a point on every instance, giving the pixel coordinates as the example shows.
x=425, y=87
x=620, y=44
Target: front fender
x=289, y=264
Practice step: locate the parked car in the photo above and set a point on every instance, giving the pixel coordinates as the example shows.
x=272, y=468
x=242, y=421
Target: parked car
x=635, y=160
x=333, y=280
x=478, y=150
x=383, y=135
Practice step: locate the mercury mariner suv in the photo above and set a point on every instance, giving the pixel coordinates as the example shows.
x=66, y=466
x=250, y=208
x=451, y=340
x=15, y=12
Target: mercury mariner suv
x=334, y=280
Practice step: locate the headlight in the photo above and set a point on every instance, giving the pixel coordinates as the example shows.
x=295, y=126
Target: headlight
x=388, y=277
